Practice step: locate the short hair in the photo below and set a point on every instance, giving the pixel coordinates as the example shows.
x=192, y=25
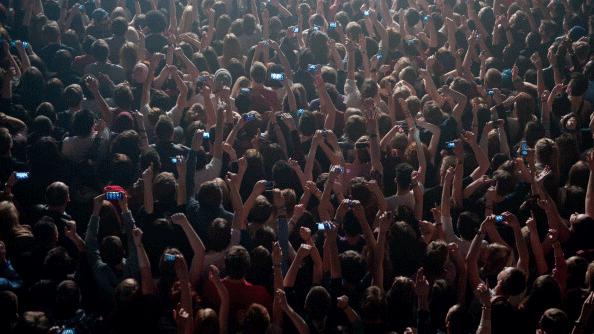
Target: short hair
x=210, y=195
x=100, y=50
x=514, y=282
x=123, y=97
x=57, y=194
x=258, y=72
x=257, y=320
x=318, y=302
x=51, y=31
x=119, y=26
x=164, y=187
x=112, y=250
x=73, y=95
x=164, y=128
x=155, y=20
x=261, y=210
x=554, y=321
x=404, y=175
x=218, y=235
x=82, y=123
x=237, y=262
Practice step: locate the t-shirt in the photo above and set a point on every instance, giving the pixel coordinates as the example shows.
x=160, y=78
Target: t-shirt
x=241, y=295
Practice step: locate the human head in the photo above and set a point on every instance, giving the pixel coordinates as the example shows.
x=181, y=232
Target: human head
x=258, y=72
x=237, y=262
x=210, y=195
x=100, y=50
x=57, y=195
x=257, y=320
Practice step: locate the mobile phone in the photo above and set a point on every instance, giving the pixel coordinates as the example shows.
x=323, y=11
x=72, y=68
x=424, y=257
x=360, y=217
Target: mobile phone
x=247, y=117
x=316, y=28
x=312, y=68
x=269, y=185
x=300, y=112
x=244, y=90
x=114, y=195
x=22, y=175
x=524, y=149
x=296, y=29
x=338, y=169
x=490, y=92
x=450, y=145
x=366, y=13
x=324, y=226
x=379, y=54
x=206, y=135
x=324, y=133
x=499, y=218
x=170, y=257
x=68, y=331
x=410, y=42
x=425, y=18
x=277, y=76
x=332, y=25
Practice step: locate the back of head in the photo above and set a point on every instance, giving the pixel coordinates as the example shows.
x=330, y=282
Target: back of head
x=237, y=262
x=554, y=321
x=218, y=235
x=57, y=194
x=67, y=298
x=258, y=72
x=100, y=50
x=257, y=320
x=317, y=303
x=164, y=129
x=210, y=195
x=33, y=322
x=112, y=251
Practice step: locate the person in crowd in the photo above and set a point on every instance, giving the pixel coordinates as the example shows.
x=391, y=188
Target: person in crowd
x=300, y=166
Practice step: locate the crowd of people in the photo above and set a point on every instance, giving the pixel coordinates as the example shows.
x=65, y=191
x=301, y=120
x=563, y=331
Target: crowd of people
x=243, y=166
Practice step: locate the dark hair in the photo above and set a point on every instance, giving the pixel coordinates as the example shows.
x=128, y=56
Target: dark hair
x=404, y=175
x=353, y=267
x=554, y=321
x=514, y=282
x=82, y=123
x=218, y=235
x=257, y=320
x=317, y=303
x=100, y=50
x=468, y=223
x=155, y=20
x=119, y=26
x=210, y=195
x=164, y=128
x=57, y=194
x=237, y=262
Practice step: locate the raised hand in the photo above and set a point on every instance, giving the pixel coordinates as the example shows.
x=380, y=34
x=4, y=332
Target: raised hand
x=342, y=302
x=179, y=219
x=70, y=229
x=137, y=236
x=483, y=294
x=303, y=251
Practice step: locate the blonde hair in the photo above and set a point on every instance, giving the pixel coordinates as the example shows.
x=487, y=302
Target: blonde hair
x=187, y=17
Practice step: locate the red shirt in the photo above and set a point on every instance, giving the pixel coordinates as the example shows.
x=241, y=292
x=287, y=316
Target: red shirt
x=241, y=295
x=264, y=99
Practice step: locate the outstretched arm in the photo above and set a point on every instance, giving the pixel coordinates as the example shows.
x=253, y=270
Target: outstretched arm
x=181, y=220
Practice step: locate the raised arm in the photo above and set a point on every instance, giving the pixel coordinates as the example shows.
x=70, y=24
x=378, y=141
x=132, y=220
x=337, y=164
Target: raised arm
x=298, y=322
x=590, y=189
x=523, y=255
x=536, y=246
x=474, y=252
x=198, y=248
x=213, y=276
x=146, y=276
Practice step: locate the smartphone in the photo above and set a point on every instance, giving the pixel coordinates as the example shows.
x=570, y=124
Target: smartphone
x=247, y=117
x=206, y=135
x=499, y=218
x=269, y=185
x=325, y=133
x=490, y=92
x=316, y=28
x=324, y=226
x=332, y=25
x=312, y=68
x=174, y=160
x=450, y=145
x=379, y=55
x=68, y=331
x=22, y=175
x=277, y=76
x=410, y=42
x=366, y=13
x=524, y=149
x=300, y=112
x=296, y=29
x=425, y=18
x=338, y=169
x=244, y=90
x=114, y=195
x=170, y=258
